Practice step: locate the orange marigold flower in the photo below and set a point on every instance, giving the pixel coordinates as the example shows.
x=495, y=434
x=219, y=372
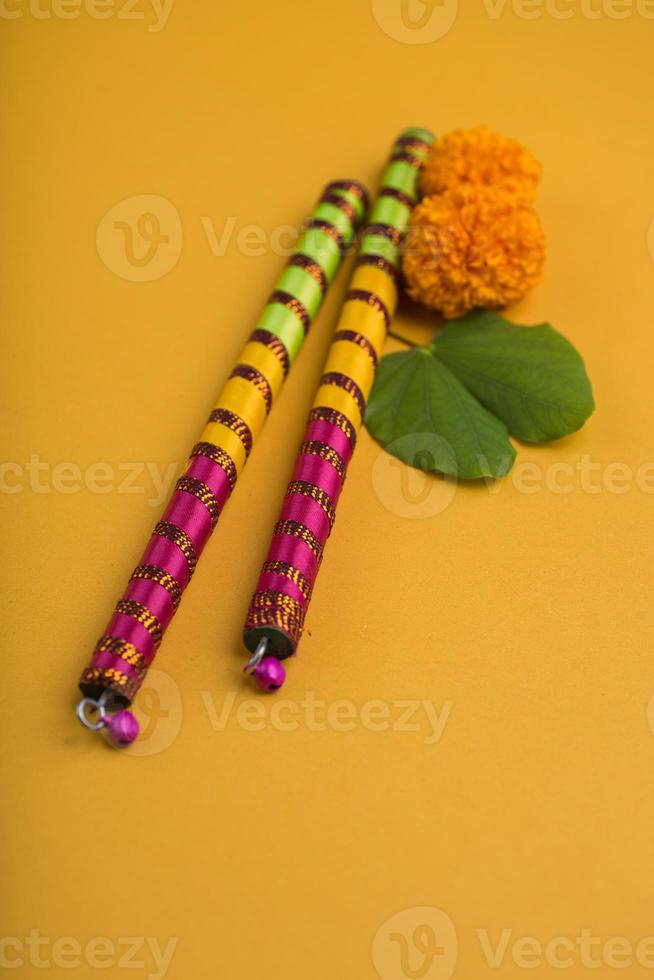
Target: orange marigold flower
x=478, y=156
x=472, y=247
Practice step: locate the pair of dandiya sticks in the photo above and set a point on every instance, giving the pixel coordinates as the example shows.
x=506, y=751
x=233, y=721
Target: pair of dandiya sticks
x=277, y=610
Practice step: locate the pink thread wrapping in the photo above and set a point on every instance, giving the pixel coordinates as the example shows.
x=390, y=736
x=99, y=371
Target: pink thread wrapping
x=135, y=630
x=296, y=552
x=278, y=607
x=299, y=508
x=165, y=554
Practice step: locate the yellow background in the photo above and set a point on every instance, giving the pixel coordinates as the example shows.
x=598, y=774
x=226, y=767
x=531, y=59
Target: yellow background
x=281, y=853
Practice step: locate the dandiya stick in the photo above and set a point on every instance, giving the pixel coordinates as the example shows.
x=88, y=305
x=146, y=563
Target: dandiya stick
x=129, y=644
x=278, y=607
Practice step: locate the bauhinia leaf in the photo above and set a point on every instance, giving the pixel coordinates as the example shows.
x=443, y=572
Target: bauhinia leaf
x=414, y=394
x=530, y=377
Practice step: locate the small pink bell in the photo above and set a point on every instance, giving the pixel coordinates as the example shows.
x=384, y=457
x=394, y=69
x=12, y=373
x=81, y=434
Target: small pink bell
x=121, y=728
x=269, y=674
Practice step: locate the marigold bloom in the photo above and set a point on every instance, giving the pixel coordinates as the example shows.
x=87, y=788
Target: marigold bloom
x=481, y=157
x=472, y=247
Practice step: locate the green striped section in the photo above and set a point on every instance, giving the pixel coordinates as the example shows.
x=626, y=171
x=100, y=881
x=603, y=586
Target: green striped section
x=299, y=283
x=334, y=215
x=284, y=324
x=422, y=134
x=402, y=176
x=352, y=199
x=388, y=211
x=379, y=245
x=322, y=249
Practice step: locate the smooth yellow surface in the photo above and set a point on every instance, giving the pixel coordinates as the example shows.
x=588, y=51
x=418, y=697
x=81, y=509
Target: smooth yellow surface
x=363, y=318
x=376, y=281
x=238, y=396
x=221, y=435
x=523, y=614
x=332, y=396
x=346, y=357
x=267, y=362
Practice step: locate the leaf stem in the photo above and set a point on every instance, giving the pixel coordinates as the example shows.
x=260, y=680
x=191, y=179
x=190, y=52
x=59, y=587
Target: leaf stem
x=402, y=340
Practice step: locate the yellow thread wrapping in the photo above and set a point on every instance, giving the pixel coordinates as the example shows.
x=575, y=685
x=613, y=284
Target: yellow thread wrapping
x=364, y=319
x=376, y=281
x=350, y=359
x=331, y=396
x=265, y=361
x=241, y=396
x=219, y=435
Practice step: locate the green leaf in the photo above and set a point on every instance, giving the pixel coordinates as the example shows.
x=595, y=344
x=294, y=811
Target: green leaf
x=422, y=414
x=530, y=377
